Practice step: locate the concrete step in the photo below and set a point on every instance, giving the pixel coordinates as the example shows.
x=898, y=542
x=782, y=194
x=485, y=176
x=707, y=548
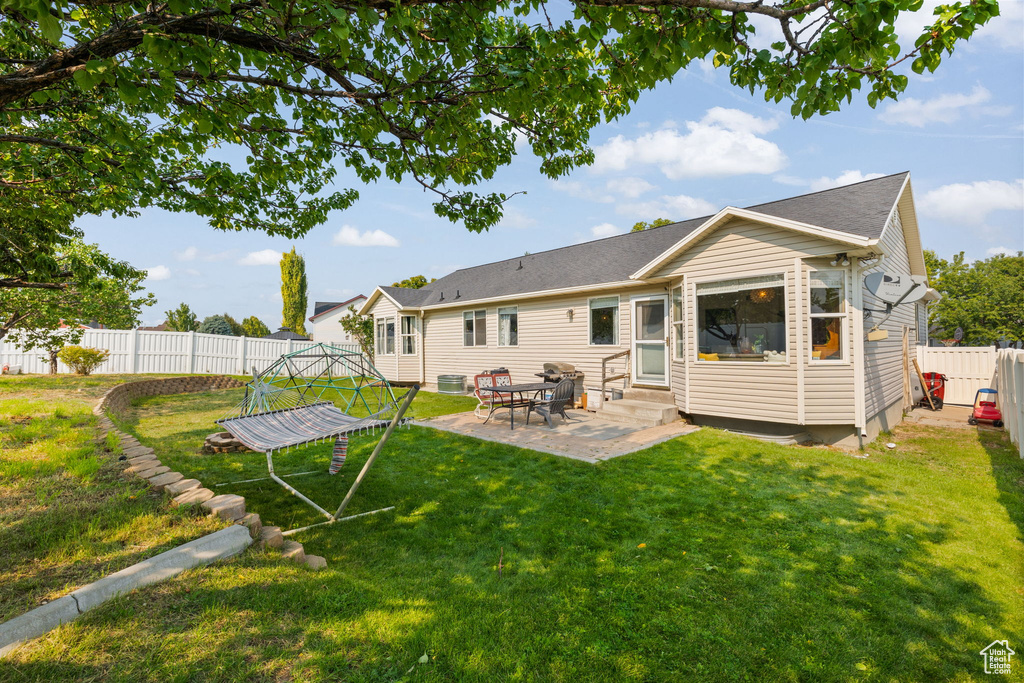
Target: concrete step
x=632, y=411
x=650, y=395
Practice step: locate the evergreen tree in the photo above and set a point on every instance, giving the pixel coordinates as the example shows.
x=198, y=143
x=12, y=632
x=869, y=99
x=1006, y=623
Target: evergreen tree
x=215, y=324
x=254, y=327
x=293, y=292
x=182, y=319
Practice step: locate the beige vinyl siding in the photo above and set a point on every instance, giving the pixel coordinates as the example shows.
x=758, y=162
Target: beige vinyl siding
x=545, y=335
x=758, y=391
x=883, y=360
x=396, y=367
x=829, y=387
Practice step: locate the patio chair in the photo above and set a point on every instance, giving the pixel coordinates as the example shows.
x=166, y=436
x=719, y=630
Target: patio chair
x=485, y=397
x=562, y=394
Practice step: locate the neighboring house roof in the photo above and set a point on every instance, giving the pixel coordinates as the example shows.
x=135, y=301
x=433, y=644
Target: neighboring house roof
x=856, y=213
x=324, y=307
x=285, y=333
x=162, y=327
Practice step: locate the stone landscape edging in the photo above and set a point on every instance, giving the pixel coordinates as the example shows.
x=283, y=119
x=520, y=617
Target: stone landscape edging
x=142, y=461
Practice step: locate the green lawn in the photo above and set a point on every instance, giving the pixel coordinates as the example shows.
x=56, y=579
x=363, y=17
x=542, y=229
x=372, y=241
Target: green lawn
x=709, y=557
x=67, y=515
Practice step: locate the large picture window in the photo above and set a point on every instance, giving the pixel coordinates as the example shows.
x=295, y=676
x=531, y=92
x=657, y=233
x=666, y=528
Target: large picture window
x=508, y=326
x=408, y=335
x=828, y=315
x=474, y=328
x=604, y=321
x=742, y=320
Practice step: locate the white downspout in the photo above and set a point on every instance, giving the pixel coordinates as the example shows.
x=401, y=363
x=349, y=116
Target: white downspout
x=859, y=364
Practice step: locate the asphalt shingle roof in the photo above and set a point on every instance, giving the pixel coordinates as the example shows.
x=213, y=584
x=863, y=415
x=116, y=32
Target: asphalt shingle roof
x=860, y=209
x=324, y=306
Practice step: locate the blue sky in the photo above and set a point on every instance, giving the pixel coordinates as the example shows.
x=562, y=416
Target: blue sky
x=687, y=149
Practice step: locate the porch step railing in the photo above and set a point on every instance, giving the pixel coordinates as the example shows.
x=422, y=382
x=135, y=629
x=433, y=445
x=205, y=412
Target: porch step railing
x=605, y=377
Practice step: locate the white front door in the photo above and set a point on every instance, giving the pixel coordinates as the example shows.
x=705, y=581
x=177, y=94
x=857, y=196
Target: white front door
x=649, y=342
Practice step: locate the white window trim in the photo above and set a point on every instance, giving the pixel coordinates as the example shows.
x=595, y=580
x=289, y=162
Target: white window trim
x=498, y=330
x=474, y=345
x=844, y=348
x=618, y=322
x=380, y=344
x=678, y=332
x=693, y=282
x=402, y=336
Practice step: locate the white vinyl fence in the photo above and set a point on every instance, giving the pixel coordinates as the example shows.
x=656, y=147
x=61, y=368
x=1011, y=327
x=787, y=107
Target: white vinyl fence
x=137, y=351
x=1010, y=365
x=967, y=369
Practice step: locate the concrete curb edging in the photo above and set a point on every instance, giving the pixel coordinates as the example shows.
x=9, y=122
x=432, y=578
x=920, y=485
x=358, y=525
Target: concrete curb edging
x=202, y=551
x=141, y=461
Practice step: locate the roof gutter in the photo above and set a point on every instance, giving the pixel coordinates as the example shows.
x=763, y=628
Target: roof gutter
x=530, y=295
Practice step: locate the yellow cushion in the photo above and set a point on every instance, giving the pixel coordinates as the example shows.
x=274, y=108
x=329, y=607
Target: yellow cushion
x=707, y=356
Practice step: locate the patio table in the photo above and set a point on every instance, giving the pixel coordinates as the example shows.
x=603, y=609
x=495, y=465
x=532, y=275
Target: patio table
x=512, y=390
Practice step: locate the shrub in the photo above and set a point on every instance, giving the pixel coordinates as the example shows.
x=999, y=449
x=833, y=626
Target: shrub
x=83, y=360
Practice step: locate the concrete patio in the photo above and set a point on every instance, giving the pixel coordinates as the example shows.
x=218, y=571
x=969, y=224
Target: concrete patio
x=586, y=437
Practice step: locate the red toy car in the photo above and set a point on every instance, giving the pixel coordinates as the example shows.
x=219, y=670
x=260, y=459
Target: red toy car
x=985, y=409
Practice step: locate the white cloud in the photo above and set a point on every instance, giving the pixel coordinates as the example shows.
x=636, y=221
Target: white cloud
x=844, y=178
x=971, y=204
x=351, y=237
x=575, y=188
x=675, y=208
x=515, y=219
x=158, y=273
x=725, y=142
x=266, y=257
x=606, y=230
x=189, y=254
x=1000, y=251
x=630, y=188
x=945, y=108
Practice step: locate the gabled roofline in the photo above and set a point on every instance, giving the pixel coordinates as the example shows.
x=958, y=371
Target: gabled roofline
x=730, y=212
x=376, y=294
x=911, y=231
x=313, y=317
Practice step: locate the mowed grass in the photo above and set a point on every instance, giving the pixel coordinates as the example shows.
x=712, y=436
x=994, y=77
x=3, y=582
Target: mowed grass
x=67, y=515
x=710, y=557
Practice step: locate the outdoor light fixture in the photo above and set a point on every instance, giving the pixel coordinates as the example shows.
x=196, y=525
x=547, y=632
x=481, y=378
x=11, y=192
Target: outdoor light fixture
x=569, y=313
x=840, y=258
x=762, y=296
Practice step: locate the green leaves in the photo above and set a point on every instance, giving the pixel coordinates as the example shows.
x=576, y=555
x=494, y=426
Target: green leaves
x=142, y=96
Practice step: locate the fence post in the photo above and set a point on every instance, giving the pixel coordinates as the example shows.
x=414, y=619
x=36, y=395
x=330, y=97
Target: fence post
x=192, y=353
x=242, y=341
x=135, y=351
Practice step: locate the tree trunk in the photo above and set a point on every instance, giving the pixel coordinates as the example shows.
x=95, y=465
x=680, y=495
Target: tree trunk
x=53, y=362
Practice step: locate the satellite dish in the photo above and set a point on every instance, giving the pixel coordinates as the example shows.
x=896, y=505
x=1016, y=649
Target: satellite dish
x=894, y=288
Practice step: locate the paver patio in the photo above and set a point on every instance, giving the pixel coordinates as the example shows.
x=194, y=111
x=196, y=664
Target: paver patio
x=587, y=437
